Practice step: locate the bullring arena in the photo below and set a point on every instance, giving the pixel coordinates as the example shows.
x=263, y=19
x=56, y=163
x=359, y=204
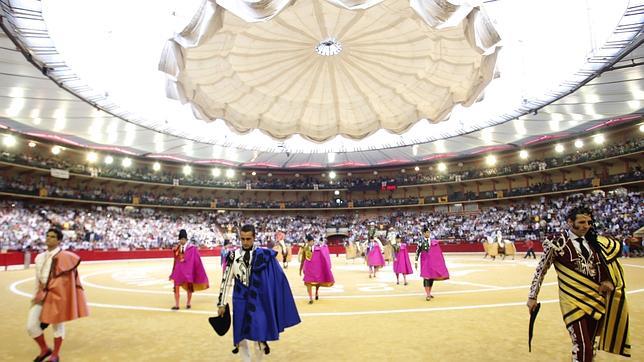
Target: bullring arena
x=148, y=148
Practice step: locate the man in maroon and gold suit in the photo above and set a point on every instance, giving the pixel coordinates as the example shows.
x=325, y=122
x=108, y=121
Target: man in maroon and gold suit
x=592, y=294
x=59, y=295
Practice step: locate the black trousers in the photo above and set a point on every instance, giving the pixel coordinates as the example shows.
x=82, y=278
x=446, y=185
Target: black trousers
x=530, y=252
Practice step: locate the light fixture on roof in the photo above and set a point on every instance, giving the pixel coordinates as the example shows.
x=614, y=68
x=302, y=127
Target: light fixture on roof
x=9, y=140
x=559, y=148
x=642, y=127
x=440, y=146
x=31, y=144
x=579, y=143
x=187, y=170
x=486, y=136
x=56, y=150
x=254, y=173
x=92, y=157
x=414, y=150
x=331, y=157
x=599, y=138
x=519, y=126
x=336, y=192
x=442, y=167
x=554, y=125
x=216, y=172
x=332, y=175
x=109, y=160
x=416, y=168
x=490, y=160
x=156, y=166
x=126, y=162
x=230, y=173
x=328, y=47
x=523, y=154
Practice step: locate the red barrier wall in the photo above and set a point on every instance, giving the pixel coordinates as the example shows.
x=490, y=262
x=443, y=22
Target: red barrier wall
x=17, y=258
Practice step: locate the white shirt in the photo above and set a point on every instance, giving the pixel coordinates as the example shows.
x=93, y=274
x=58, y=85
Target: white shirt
x=236, y=270
x=43, y=266
x=572, y=236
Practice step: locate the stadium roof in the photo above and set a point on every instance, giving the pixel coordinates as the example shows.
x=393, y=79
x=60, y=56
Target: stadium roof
x=319, y=83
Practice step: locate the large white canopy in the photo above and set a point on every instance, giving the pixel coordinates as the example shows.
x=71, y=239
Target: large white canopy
x=319, y=70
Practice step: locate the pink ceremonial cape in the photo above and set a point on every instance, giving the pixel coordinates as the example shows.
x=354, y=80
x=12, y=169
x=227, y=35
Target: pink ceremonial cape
x=402, y=265
x=189, y=273
x=317, y=271
x=432, y=263
x=374, y=257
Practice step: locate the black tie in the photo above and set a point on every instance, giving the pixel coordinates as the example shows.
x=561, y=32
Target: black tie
x=247, y=257
x=584, y=251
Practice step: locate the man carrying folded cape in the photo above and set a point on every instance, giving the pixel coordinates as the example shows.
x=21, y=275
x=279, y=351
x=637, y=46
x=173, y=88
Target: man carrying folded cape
x=591, y=287
x=59, y=295
x=263, y=305
x=187, y=271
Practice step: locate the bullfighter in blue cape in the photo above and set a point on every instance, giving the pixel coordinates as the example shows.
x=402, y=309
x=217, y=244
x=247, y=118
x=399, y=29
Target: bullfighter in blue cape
x=263, y=304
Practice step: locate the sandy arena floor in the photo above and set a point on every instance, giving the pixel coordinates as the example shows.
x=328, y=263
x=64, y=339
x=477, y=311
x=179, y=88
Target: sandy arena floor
x=478, y=315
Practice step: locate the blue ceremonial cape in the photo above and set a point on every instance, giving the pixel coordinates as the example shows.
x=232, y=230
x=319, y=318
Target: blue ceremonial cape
x=264, y=309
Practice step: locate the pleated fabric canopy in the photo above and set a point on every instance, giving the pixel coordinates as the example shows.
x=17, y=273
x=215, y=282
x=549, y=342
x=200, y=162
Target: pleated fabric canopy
x=322, y=68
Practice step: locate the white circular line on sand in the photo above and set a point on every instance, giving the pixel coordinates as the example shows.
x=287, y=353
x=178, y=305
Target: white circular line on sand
x=487, y=288
x=15, y=290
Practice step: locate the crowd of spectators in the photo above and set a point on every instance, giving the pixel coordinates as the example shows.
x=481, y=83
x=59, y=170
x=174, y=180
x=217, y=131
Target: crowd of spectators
x=45, y=186
x=268, y=181
x=23, y=225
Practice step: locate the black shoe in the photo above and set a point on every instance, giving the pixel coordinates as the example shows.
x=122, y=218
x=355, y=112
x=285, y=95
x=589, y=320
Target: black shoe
x=188, y=306
x=40, y=358
x=175, y=308
x=235, y=350
x=310, y=302
x=316, y=297
x=267, y=349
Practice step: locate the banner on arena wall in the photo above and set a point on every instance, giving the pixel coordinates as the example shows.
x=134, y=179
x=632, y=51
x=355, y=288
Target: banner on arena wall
x=56, y=172
x=248, y=186
x=43, y=192
x=499, y=194
x=282, y=205
x=175, y=182
x=136, y=200
x=596, y=182
x=213, y=204
x=442, y=199
x=421, y=200
x=350, y=204
x=93, y=172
